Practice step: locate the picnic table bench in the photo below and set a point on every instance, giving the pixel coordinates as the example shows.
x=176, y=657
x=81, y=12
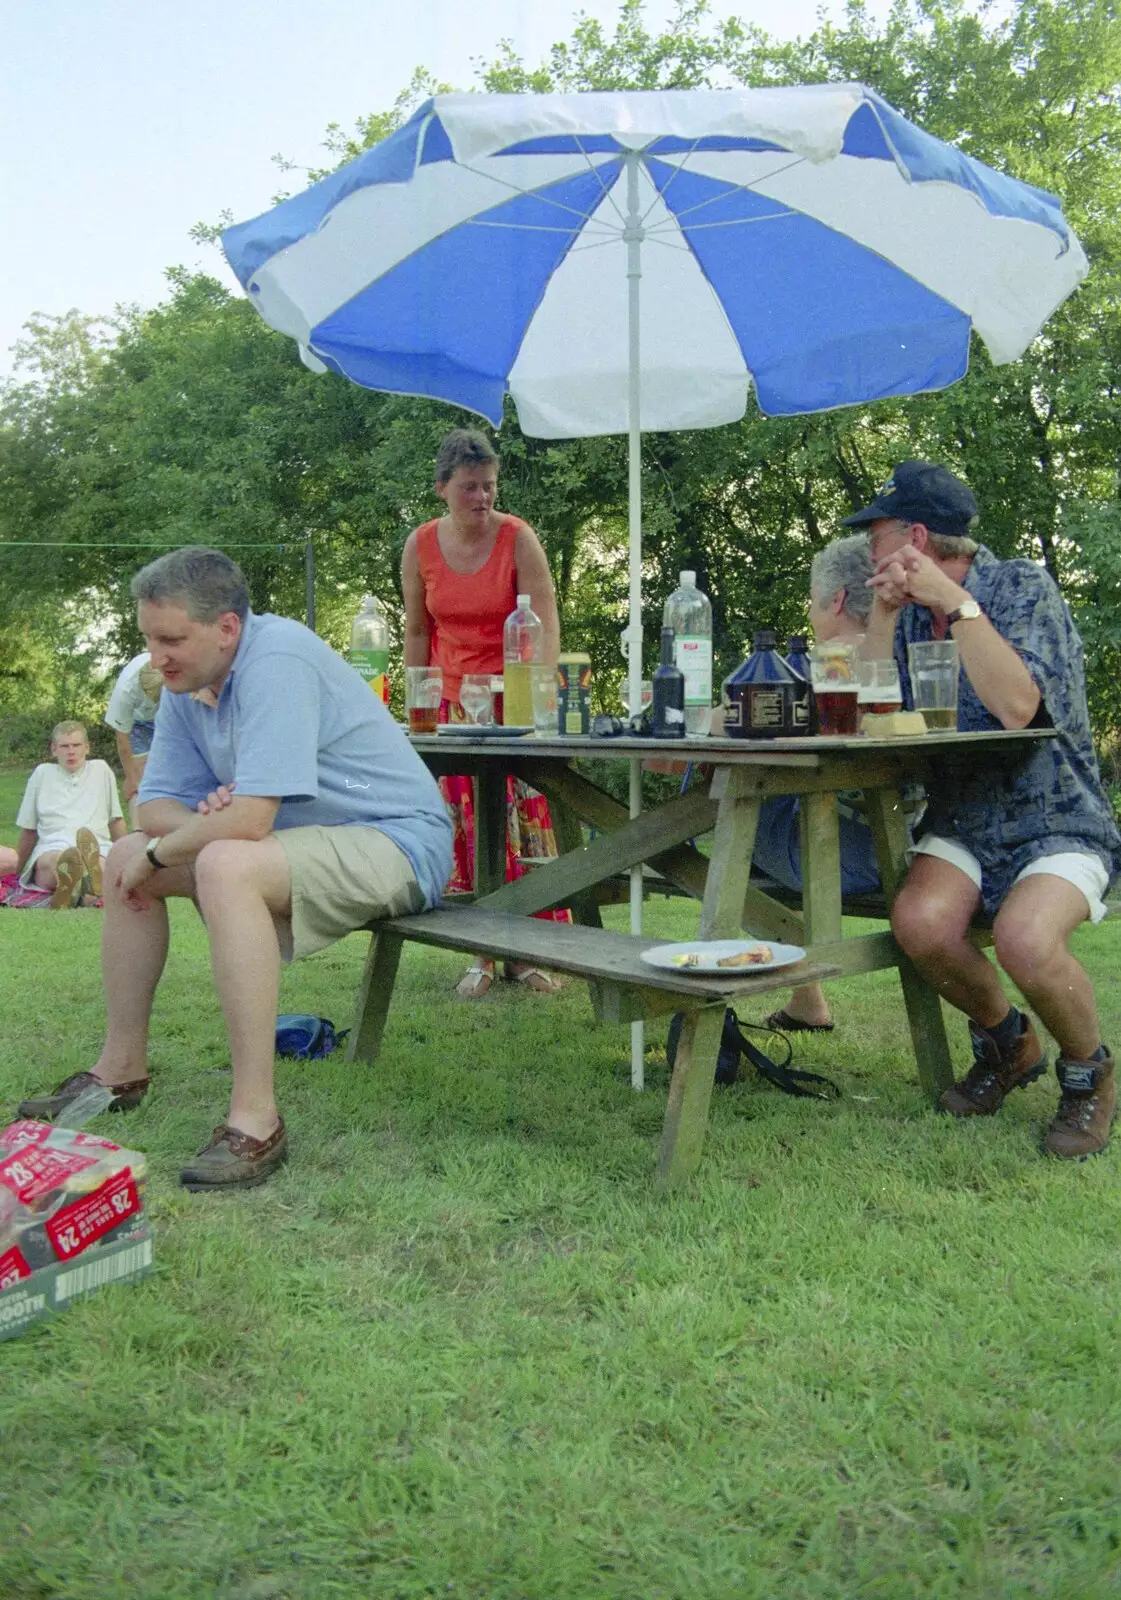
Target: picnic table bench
x=500, y=923
x=624, y=988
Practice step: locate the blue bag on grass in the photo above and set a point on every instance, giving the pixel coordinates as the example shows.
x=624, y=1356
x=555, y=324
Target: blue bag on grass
x=305, y=1037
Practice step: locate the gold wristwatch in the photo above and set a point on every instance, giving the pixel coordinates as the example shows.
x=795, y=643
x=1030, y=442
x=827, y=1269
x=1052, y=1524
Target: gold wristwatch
x=964, y=613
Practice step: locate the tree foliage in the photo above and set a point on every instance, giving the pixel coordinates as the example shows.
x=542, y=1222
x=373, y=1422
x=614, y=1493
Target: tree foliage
x=195, y=423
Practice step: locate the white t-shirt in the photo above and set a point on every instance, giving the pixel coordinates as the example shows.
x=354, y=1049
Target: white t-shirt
x=57, y=803
x=128, y=703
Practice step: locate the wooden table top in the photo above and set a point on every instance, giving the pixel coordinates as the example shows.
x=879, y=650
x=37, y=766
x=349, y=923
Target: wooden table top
x=721, y=752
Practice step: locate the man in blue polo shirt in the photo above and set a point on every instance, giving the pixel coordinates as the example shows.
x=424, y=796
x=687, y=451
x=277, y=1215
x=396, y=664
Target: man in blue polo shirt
x=1036, y=845
x=284, y=799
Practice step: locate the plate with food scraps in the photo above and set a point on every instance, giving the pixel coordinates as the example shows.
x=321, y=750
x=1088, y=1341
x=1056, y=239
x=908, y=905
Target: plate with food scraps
x=730, y=958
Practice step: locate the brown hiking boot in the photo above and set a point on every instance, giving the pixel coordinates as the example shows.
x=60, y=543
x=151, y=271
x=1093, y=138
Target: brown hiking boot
x=90, y=851
x=235, y=1160
x=993, y=1074
x=1086, y=1110
x=45, y=1107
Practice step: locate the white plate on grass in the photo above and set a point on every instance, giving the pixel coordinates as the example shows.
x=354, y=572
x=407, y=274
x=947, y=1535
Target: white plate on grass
x=709, y=953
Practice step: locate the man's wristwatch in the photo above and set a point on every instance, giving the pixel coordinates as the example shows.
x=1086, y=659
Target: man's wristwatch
x=150, y=852
x=964, y=613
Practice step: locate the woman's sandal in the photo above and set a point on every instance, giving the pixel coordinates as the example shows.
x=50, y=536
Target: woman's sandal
x=475, y=982
x=539, y=982
x=783, y=1022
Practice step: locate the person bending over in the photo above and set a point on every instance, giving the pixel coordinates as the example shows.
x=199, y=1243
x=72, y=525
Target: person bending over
x=282, y=797
x=131, y=713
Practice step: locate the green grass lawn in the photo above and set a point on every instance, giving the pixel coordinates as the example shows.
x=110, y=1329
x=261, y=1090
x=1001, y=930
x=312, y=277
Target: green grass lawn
x=459, y=1347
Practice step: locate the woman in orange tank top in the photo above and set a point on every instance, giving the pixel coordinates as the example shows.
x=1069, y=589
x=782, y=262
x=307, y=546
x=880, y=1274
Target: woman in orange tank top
x=461, y=575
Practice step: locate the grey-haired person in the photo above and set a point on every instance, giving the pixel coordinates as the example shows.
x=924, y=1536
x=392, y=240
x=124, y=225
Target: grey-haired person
x=1035, y=846
x=282, y=797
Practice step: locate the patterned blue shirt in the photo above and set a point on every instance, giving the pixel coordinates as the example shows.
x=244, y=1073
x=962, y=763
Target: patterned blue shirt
x=1052, y=801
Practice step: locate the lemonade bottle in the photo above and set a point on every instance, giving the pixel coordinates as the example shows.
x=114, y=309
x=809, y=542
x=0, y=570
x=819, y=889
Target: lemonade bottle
x=523, y=642
x=369, y=645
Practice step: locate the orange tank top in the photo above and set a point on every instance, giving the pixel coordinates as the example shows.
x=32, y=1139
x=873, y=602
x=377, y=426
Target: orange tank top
x=467, y=609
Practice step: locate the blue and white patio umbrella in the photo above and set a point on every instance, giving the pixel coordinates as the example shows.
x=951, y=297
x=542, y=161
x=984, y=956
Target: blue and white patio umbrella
x=641, y=260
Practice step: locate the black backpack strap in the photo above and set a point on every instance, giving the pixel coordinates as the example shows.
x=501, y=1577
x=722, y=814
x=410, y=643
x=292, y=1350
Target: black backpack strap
x=785, y=1077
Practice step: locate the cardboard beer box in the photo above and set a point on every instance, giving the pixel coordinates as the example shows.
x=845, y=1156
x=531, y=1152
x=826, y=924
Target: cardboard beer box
x=71, y=1220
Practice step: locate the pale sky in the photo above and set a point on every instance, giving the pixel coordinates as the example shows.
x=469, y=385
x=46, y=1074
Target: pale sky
x=124, y=122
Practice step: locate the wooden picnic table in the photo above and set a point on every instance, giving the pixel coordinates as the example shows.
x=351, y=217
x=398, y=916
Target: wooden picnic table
x=739, y=776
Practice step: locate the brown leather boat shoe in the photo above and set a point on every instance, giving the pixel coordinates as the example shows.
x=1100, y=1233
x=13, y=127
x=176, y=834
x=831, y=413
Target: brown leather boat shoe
x=45, y=1107
x=995, y=1073
x=235, y=1160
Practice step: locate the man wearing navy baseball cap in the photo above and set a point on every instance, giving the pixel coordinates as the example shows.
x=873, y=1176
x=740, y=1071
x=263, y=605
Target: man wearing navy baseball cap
x=1037, y=846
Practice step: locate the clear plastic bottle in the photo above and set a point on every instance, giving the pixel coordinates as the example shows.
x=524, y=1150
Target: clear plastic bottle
x=369, y=645
x=523, y=642
x=689, y=614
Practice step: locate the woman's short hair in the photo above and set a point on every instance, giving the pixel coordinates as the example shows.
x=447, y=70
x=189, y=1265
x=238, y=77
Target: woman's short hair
x=463, y=447
x=204, y=582
x=845, y=564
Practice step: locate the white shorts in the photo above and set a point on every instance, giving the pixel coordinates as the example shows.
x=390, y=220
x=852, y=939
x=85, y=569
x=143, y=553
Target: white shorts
x=1083, y=870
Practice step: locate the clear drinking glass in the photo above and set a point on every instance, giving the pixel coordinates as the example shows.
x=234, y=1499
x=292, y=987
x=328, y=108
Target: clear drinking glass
x=934, y=683
x=880, y=690
x=476, y=699
x=424, y=688
x=543, y=690
x=834, y=669
x=646, y=700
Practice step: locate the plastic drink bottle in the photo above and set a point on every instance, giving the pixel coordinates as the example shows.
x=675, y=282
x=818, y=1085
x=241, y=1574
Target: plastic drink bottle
x=798, y=660
x=689, y=614
x=369, y=645
x=760, y=697
x=523, y=642
x=668, y=710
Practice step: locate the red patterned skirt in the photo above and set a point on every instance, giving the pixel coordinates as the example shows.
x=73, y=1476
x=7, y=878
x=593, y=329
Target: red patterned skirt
x=529, y=827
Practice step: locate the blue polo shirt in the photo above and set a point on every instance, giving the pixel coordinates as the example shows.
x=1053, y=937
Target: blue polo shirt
x=1053, y=800
x=295, y=722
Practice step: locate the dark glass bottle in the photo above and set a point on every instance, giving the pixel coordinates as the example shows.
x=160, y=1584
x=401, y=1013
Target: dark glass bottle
x=760, y=697
x=798, y=660
x=668, y=710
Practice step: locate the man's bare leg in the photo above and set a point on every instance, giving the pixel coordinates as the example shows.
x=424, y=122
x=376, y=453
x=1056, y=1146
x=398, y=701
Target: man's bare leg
x=808, y=1004
x=242, y=886
x=45, y=872
x=1031, y=932
x=930, y=919
x=133, y=952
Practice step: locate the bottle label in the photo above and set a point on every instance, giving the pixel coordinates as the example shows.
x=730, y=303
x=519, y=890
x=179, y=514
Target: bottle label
x=373, y=665
x=765, y=707
x=693, y=656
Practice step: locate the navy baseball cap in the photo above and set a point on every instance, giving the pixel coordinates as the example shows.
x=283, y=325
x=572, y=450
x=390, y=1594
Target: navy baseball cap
x=920, y=491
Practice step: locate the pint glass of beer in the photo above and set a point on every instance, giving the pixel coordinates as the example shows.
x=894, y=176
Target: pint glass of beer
x=934, y=683
x=836, y=685
x=423, y=689
x=879, y=687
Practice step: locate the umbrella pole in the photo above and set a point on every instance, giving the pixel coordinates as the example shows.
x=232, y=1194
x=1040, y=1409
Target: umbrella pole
x=633, y=236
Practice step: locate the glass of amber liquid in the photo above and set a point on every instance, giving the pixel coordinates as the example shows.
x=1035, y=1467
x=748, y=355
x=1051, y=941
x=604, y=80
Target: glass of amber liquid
x=934, y=683
x=880, y=691
x=836, y=685
x=424, y=687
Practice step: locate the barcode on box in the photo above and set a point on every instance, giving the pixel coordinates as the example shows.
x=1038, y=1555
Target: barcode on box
x=92, y=1274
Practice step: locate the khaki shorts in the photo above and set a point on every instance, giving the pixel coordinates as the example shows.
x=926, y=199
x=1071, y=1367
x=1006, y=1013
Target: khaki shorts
x=342, y=878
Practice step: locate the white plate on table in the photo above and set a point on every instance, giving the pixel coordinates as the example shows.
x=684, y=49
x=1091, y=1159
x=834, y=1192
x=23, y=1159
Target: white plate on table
x=485, y=730
x=710, y=953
